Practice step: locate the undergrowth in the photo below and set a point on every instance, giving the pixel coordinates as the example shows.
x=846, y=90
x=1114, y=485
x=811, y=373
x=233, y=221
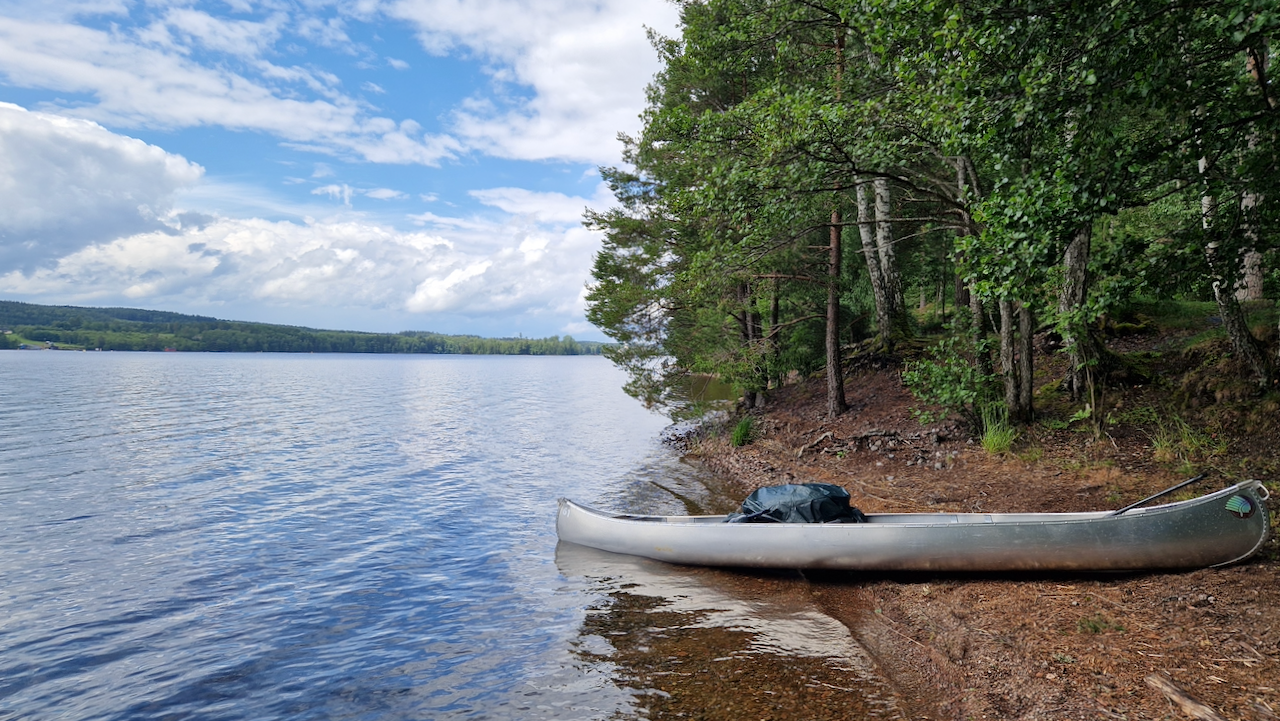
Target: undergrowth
x=1175, y=441
x=998, y=434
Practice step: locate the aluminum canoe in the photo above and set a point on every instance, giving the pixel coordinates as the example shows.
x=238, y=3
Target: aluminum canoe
x=1219, y=528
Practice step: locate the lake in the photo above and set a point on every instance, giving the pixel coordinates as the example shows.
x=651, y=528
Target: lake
x=249, y=536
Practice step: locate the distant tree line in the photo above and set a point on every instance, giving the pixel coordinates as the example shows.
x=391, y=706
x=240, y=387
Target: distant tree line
x=144, y=330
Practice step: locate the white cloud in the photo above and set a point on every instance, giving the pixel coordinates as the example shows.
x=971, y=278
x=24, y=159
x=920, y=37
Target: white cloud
x=587, y=63
x=520, y=271
x=327, y=32
x=97, y=210
x=236, y=37
x=436, y=294
x=63, y=9
x=66, y=183
x=341, y=192
x=547, y=207
x=344, y=192
x=152, y=81
x=579, y=328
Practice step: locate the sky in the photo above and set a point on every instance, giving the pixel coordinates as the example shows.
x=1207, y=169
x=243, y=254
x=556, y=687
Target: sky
x=377, y=165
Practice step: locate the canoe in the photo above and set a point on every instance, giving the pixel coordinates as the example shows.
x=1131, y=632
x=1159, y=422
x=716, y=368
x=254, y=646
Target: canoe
x=1212, y=530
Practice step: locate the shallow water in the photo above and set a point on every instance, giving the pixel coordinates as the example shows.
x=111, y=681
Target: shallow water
x=230, y=536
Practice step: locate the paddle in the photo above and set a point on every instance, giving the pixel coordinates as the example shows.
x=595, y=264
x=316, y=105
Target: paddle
x=1165, y=492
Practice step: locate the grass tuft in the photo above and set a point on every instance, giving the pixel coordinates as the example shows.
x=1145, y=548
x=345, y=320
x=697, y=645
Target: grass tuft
x=1176, y=441
x=744, y=432
x=998, y=434
x=1097, y=624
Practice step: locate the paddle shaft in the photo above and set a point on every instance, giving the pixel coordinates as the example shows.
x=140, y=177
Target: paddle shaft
x=1165, y=492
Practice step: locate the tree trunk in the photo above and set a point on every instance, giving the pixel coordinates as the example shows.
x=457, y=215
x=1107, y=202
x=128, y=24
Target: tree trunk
x=884, y=320
x=1071, y=299
x=752, y=334
x=979, y=328
x=1008, y=369
x=1233, y=320
x=835, y=369
x=1250, y=287
x=977, y=320
x=896, y=306
x=1026, y=367
x=1242, y=341
x=775, y=343
x=759, y=357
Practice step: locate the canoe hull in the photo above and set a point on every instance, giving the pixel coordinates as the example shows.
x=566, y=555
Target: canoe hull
x=1201, y=532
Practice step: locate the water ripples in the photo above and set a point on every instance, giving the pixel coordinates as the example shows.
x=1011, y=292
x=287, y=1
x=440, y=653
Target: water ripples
x=249, y=536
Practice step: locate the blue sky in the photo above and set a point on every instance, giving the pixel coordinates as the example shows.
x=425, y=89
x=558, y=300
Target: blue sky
x=375, y=165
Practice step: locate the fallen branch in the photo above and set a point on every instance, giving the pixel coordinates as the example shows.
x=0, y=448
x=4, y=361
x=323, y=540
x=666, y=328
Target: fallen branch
x=815, y=442
x=1189, y=706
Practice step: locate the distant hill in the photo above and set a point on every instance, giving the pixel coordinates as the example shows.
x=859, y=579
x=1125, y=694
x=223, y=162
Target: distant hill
x=156, y=330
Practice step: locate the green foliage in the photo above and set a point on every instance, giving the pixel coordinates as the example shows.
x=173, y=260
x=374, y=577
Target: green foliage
x=127, y=329
x=767, y=116
x=998, y=434
x=1137, y=416
x=1175, y=441
x=948, y=379
x=743, y=432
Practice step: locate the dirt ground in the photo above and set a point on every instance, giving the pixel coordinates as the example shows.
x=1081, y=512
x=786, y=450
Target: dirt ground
x=1046, y=646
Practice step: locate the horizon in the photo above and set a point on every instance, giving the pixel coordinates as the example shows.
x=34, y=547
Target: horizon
x=198, y=317
x=395, y=164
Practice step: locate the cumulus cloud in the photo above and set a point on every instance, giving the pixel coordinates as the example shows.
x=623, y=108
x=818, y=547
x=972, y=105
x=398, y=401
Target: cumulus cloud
x=153, y=79
x=66, y=183
x=89, y=217
x=587, y=63
x=326, y=265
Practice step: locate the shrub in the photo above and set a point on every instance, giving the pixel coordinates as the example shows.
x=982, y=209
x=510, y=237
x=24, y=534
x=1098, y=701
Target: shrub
x=947, y=378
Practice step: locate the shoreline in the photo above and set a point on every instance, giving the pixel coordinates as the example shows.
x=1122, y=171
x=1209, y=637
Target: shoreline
x=1027, y=646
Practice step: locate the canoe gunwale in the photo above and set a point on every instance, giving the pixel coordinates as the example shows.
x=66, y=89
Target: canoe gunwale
x=1179, y=530
x=875, y=518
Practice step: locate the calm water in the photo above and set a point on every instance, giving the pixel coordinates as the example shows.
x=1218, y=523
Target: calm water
x=296, y=536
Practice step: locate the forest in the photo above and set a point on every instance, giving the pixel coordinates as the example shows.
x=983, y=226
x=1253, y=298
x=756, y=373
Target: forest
x=148, y=330
x=812, y=173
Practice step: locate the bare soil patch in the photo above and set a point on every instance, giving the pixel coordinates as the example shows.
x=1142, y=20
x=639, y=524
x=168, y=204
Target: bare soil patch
x=1051, y=646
